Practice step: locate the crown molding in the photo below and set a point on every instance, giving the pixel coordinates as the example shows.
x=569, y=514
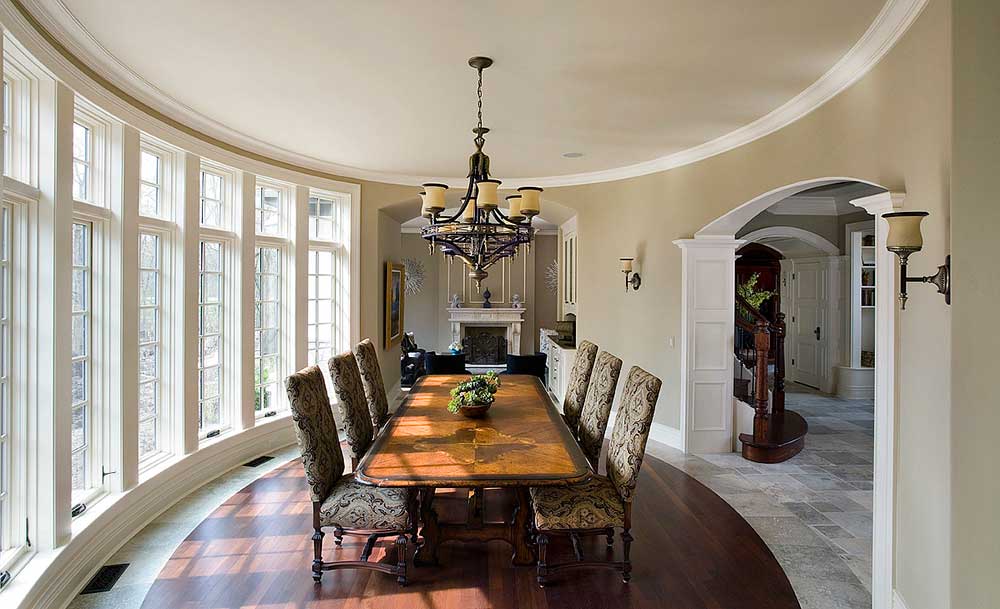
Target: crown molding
x=53, y=16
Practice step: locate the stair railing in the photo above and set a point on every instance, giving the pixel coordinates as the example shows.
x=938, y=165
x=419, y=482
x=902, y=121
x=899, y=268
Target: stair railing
x=757, y=339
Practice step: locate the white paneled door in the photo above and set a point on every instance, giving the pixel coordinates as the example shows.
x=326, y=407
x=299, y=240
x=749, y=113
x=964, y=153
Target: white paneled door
x=809, y=323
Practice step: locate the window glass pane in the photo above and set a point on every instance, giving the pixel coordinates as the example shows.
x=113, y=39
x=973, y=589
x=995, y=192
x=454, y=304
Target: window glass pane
x=149, y=169
x=326, y=216
x=267, y=330
x=327, y=330
x=212, y=200
x=80, y=369
x=268, y=203
x=150, y=348
x=81, y=162
x=8, y=538
x=211, y=303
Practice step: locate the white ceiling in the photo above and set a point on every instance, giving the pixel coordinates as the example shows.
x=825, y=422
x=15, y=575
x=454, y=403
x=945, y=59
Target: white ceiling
x=384, y=86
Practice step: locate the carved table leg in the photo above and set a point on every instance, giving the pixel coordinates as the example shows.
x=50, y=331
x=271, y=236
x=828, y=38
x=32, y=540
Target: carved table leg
x=427, y=553
x=523, y=552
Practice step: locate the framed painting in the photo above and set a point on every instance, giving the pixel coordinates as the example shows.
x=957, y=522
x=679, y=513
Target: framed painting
x=395, y=285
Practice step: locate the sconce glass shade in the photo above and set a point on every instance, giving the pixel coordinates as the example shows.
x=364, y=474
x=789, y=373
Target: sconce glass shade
x=434, y=197
x=904, y=231
x=487, y=197
x=531, y=203
x=515, y=214
x=627, y=264
x=469, y=213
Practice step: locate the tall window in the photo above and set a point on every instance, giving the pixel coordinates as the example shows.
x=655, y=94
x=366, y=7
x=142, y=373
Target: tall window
x=82, y=369
x=83, y=169
x=150, y=184
x=211, y=309
x=7, y=527
x=213, y=200
x=328, y=304
x=267, y=330
x=268, y=204
x=150, y=340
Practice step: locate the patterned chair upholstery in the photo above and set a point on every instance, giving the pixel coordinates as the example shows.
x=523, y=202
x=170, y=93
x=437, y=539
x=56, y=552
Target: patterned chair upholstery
x=352, y=405
x=597, y=406
x=338, y=500
x=598, y=505
x=579, y=380
x=371, y=379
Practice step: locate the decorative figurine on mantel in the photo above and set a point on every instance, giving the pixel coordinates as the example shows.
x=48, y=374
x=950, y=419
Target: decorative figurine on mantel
x=515, y=301
x=486, y=299
x=455, y=304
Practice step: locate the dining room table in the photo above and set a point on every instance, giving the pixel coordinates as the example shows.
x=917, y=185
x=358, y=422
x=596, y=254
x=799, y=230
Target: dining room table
x=520, y=442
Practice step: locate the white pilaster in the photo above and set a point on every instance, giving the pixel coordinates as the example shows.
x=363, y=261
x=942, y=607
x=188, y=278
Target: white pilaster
x=708, y=283
x=246, y=228
x=886, y=344
x=189, y=224
x=299, y=234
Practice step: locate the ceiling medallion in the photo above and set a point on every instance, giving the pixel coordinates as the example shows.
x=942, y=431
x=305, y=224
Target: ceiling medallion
x=480, y=233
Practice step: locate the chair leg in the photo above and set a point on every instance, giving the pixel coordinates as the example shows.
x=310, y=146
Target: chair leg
x=338, y=535
x=543, y=543
x=317, y=566
x=610, y=532
x=401, y=559
x=626, y=564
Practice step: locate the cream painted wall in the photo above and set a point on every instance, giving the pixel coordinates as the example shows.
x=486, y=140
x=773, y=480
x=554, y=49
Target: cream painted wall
x=423, y=309
x=546, y=249
x=975, y=408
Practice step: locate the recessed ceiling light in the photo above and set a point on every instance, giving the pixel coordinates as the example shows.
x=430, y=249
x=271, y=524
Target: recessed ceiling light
x=572, y=155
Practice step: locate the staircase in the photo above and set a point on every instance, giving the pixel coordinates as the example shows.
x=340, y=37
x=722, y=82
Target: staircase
x=778, y=434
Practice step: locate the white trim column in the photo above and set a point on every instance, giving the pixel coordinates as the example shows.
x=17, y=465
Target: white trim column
x=245, y=226
x=299, y=237
x=886, y=345
x=708, y=282
x=189, y=223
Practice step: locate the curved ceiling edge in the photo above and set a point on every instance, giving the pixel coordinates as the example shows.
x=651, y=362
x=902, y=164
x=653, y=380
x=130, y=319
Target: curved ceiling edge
x=69, y=38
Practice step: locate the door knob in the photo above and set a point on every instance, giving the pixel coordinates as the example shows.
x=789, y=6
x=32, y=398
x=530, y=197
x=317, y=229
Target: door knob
x=817, y=332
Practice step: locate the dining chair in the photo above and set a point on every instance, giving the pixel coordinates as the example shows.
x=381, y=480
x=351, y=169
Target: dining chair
x=602, y=503
x=597, y=406
x=527, y=364
x=439, y=363
x=352, y=405
x=579, y=380
x=371, y=380
x=338, y=500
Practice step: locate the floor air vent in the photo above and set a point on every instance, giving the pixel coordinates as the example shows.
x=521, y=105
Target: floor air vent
x=257, y=461
x=105, y=579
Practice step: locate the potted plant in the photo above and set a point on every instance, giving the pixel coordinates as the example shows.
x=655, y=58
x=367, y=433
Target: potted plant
x=472, y=398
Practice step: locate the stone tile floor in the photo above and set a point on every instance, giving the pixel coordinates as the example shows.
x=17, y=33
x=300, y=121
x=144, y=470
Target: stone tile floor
x=814, y=511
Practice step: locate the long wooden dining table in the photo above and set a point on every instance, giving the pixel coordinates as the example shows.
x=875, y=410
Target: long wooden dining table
x=521, y=442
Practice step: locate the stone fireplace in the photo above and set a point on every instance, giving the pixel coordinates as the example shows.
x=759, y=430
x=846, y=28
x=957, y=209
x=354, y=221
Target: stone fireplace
x=484, y=332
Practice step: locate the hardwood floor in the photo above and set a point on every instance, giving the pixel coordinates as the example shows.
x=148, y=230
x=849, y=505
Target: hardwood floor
x=691, y=551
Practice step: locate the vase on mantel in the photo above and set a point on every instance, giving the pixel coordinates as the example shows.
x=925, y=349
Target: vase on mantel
x=486, y=299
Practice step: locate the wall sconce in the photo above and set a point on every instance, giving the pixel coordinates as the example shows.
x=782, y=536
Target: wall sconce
x=631, y=279
x=903, y=239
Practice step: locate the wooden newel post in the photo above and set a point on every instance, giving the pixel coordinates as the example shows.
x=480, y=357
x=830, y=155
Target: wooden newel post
x=778, y=404
x=762, y=344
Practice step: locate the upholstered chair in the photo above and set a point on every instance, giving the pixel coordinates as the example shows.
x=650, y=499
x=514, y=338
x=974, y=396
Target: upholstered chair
x=579, y=380
x=602, y=503
x=352, y=405
x=597, y=406
x=371, y=380
x=338, y=500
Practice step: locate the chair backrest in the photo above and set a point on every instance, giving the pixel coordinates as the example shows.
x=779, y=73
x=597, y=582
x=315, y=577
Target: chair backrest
x=597, y=406
x=371, y=379
x=351, y=403
x=316, y=431
x=628, y=440
x=579, y=379
x=527, y=364
x=438, y=363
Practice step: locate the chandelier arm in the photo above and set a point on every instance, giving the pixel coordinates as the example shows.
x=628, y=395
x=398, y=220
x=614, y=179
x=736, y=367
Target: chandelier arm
x=504, y=220
x=461, y=209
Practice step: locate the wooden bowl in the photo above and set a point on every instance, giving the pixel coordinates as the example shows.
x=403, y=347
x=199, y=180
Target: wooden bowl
x=474, y=412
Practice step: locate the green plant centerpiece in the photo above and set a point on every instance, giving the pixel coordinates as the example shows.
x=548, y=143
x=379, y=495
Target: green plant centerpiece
x=474, y=397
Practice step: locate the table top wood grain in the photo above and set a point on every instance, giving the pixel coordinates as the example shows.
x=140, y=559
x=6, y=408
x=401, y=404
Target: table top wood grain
x=521, y=441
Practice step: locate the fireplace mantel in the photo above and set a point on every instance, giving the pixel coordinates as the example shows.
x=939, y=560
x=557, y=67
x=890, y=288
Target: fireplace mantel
x=461, y=318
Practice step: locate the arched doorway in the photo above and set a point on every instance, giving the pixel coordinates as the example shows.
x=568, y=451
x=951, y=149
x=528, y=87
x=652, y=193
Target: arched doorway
x=708, y=308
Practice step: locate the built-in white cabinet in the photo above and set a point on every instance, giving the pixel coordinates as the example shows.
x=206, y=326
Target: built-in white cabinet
x=856, y=378
x=559, y=361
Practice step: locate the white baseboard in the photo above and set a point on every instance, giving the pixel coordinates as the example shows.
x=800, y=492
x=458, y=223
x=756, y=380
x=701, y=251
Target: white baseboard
x=897, y=600
x=60, y=574
x=658, y=432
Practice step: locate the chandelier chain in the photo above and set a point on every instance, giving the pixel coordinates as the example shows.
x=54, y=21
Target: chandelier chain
x=479, y=93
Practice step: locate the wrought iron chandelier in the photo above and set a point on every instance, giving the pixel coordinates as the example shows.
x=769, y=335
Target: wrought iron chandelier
x=480, y=234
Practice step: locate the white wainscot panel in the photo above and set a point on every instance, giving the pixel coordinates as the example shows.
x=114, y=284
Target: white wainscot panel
x=710, y=348
x=709, y=286
x=709, y=413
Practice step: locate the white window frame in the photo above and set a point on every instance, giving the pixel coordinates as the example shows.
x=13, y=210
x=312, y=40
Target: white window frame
x=340, y=298
x=19, y=71
x=283, y=243
x=99, y=178
x=284, y=206
x=226, y=203
x=230, y=381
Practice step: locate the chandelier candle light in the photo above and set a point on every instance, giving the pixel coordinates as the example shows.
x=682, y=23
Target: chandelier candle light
x=480, y=233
